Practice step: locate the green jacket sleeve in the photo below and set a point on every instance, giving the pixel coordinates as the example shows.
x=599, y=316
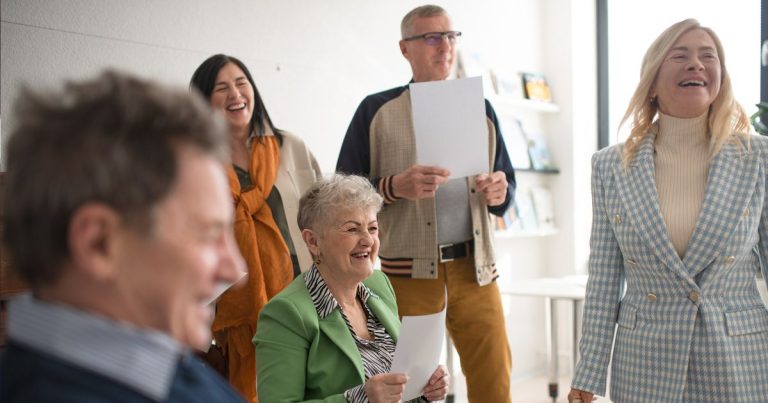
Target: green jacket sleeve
x=282, y=342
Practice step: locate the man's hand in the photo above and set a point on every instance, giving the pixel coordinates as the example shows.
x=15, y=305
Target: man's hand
x=385, y=388
x=419, y=182
x=580, y=396
x=493, y=186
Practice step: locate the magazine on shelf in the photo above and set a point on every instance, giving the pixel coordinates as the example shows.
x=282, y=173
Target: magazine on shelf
x=517, y=144
x=525, y=211
x=507, y=84
x=499, y=223
x=536, y=87
x=538, y=151
x=470, y=64
x=542, y=205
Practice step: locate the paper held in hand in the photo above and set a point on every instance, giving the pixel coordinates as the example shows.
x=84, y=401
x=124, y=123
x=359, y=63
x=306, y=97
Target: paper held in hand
x=450, y=125
x=418, y=351
x=221, y=287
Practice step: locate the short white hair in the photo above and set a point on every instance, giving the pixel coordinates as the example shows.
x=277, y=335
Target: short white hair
x=428, y=10
x=327, y=196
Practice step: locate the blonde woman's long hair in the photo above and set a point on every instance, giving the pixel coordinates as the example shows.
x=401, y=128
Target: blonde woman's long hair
x=727, y=120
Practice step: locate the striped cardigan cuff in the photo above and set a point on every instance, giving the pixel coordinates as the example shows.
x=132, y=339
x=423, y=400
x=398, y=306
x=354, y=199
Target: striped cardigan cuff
x=397, y=266
x=385, y=187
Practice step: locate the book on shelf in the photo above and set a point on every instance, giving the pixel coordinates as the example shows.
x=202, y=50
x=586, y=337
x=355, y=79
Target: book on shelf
x=507, y=84
x=510, y=218
x=524, y=209
x=539, y=151
x=471, y=64
x=517, y=144
x=536, y=87
x=499, y=224
x=542, y=205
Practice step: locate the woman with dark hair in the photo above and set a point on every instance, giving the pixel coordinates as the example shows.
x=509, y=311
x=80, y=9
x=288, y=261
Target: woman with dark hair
x=270, y=170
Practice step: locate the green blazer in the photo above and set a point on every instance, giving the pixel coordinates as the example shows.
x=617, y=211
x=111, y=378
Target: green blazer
x=301, y=358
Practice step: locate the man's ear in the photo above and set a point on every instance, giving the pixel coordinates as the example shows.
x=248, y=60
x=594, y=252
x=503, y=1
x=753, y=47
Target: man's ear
x=404, y=49
x=311, y=239
x=92, y=234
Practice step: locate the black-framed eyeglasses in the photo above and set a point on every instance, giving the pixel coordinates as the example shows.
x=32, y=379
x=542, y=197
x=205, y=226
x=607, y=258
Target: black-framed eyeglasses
x=436, y=38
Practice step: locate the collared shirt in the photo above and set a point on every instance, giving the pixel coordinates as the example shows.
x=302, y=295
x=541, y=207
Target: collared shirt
x=376, y=354
x=141, y=359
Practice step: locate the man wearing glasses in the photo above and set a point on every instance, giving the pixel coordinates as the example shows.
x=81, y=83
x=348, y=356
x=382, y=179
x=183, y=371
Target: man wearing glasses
x=437, y=242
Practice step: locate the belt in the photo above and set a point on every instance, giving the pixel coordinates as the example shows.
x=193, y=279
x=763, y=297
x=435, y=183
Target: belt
x=452, y=251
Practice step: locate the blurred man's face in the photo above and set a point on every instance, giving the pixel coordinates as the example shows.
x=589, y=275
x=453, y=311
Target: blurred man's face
x=430, y=63
x=171, y=274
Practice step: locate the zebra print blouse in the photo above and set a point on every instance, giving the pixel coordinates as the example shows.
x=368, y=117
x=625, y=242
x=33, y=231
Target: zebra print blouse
x=377, y=354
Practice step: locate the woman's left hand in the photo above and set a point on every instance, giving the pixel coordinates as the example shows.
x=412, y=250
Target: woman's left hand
x=437, y=387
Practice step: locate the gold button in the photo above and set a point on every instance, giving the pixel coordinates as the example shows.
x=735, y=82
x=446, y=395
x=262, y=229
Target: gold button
x=617, y=219
x=651, y=297
x=746, y=212
x=730, y=259
x=693, y=296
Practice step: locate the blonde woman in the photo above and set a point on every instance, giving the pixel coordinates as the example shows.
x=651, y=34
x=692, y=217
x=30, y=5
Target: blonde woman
x=679, y=224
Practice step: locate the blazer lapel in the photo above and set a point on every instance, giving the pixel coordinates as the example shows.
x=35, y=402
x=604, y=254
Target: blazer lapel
x=637, y=186
x=730, y=184
x=337, y=331
x=388, y=319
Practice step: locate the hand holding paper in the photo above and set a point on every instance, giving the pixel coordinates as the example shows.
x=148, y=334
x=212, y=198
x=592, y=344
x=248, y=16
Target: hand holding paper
x=385, y=387
x=437, y=386
x=418, y=352
x=493, y=186
x=419, y=181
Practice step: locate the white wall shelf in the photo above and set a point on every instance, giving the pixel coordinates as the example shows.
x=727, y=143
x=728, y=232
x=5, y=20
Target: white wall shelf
x=512, y=234
x=501, y=102
x=552, y=171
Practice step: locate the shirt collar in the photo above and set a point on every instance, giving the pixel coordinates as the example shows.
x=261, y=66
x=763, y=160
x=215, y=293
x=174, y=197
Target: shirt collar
x=321, y=295
x=142, y=359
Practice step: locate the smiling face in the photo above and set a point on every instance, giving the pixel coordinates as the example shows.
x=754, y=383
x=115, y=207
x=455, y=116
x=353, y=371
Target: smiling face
x=689, y=78
x=233, y=96
x=169, y=275
x=349, y=245
x=429, y=63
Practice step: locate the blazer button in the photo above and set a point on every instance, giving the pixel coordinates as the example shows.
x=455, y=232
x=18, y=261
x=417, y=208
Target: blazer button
x=693, y=296
x=651, y=297
x=729, y=259
x=746, y=212
x=617, y=219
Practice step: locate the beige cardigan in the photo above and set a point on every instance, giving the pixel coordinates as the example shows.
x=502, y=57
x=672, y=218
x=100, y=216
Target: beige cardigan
x=298, y=170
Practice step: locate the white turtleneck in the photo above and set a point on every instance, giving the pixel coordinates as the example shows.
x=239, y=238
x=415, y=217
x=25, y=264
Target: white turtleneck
x=682, y=164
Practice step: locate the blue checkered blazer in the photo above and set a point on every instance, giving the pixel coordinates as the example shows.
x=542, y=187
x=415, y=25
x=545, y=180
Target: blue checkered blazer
x=686, y=330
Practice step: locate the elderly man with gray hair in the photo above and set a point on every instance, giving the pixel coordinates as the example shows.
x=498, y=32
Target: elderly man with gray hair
x=437, y=236
x=119, y=218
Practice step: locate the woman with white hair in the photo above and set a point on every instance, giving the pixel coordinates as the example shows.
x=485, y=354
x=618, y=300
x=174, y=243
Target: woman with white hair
x=330, y=335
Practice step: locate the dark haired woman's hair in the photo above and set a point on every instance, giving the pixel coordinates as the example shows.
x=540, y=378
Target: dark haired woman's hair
x=204, y=79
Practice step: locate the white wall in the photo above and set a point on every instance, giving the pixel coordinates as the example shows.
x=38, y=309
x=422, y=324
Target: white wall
x=314, y=61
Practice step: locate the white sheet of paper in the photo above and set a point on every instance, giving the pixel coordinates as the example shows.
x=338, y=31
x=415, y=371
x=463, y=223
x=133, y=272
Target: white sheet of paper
x=418, y=350
x=221, y=287
x=450, y=125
